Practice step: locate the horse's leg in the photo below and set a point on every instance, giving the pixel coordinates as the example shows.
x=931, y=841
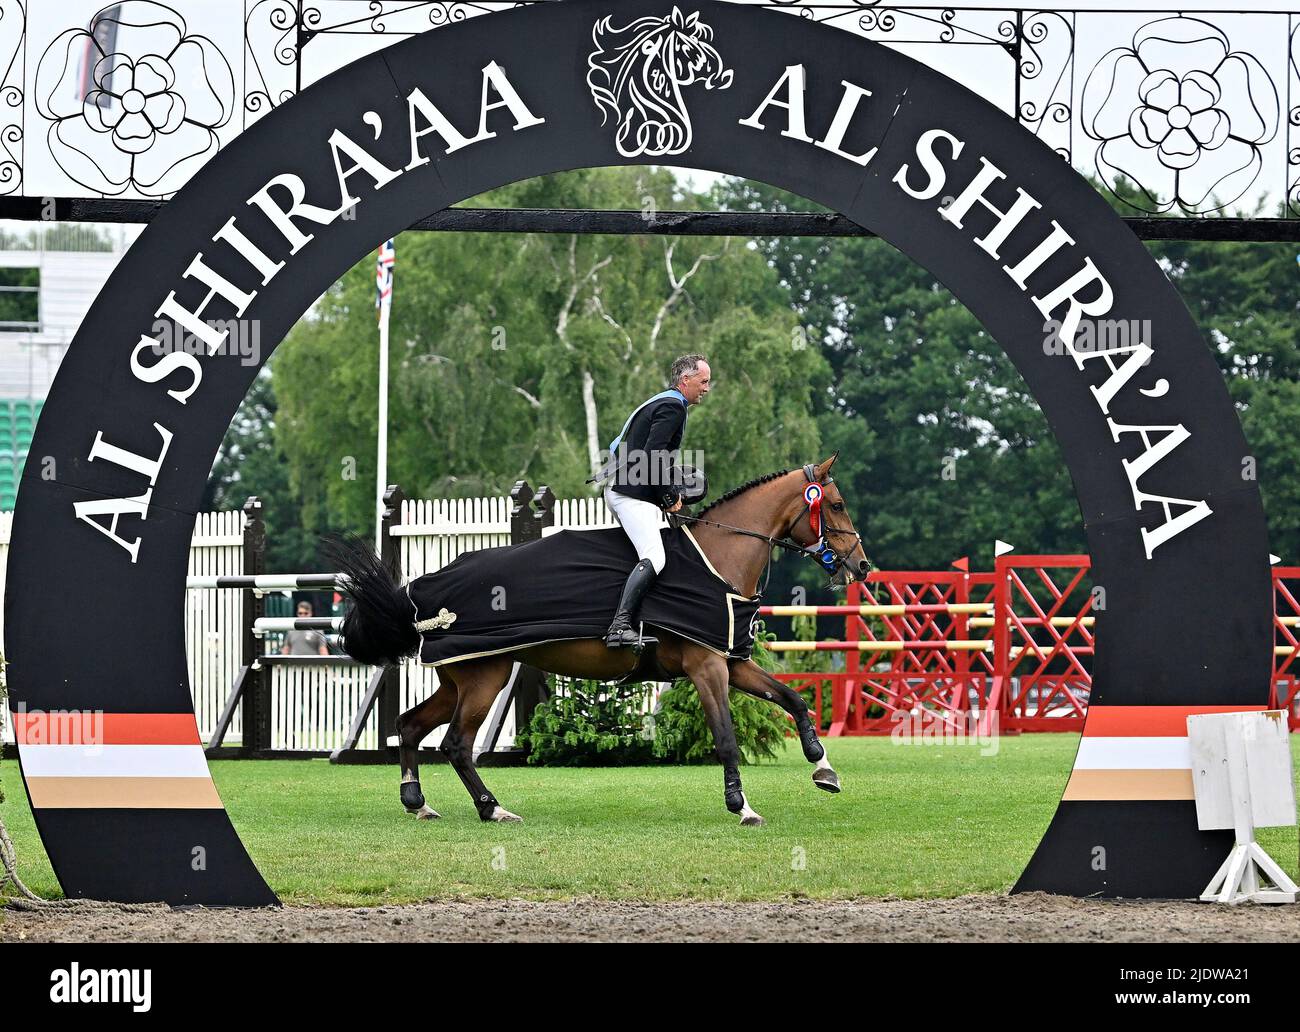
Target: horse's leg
x=413, y=727
x=479, y=681
x=750, y=678
x=708, y=672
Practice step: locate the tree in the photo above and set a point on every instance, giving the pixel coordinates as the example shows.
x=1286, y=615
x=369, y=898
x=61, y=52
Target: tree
x=942, y=443
x=936, y=429
x=521, y=356
x=1244, y=298
x=251, y=462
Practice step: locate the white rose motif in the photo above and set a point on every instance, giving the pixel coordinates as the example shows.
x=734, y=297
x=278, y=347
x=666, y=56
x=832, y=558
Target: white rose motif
x=148, y=120
x=1181, y=96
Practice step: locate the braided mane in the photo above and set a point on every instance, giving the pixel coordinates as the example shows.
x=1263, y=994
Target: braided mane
x=766, y=478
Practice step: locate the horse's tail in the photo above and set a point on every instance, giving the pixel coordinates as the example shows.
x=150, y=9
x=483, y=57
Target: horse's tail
x=379, y=627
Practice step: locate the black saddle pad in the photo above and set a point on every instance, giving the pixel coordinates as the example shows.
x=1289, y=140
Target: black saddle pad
x=566, y=586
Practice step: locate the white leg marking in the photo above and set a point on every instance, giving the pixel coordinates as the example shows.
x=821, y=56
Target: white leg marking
x=749, y=818
x=505, y=816
x=824, y=776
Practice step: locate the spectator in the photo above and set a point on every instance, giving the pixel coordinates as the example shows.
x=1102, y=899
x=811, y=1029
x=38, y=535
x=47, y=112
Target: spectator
x=304, y=643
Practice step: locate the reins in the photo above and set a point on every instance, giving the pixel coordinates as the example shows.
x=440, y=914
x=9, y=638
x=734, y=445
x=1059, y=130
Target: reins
x=775, y=542
x=826, y=557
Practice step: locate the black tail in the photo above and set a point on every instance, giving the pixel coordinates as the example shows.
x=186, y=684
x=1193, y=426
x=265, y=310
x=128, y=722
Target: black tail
x=379, y=627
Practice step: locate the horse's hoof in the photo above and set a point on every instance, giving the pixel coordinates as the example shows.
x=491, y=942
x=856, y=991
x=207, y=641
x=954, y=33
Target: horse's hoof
x=752, y=820
x=425, y=813
x=503, y=816
x=826, y=779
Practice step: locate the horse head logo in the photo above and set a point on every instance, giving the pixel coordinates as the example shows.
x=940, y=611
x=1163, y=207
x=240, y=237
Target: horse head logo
x=637, y=73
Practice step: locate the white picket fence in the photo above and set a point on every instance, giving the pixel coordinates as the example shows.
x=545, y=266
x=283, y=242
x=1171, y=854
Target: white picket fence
x=582, y=514
x=312, y=708
x=213, y=631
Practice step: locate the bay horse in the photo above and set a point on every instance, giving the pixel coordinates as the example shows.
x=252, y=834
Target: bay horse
x=736, y=533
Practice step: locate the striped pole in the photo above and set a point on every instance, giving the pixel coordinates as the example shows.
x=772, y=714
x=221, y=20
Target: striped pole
x=877, y=610
x=1035, y=621
x=954, y=645
x=332, y=624
x=270, y=581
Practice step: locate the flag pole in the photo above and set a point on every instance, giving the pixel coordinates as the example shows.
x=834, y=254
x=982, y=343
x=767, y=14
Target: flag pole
x=384, y=301
x=382, y=479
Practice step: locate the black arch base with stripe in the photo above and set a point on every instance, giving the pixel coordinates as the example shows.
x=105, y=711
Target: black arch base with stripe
x=1158, y=643
x=1136, y=849
x=183, y=857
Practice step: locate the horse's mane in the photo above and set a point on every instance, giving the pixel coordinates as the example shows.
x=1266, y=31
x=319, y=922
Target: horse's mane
x=766, y=478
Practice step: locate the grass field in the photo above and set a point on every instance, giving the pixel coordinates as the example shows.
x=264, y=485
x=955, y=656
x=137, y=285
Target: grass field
x=913, y=821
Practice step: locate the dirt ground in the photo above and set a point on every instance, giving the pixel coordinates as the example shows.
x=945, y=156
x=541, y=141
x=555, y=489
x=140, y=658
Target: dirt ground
x=985, y=918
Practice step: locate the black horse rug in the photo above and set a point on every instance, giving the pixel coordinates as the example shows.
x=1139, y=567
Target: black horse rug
x=566, y=586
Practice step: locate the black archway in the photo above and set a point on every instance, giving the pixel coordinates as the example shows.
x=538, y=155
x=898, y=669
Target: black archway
x=1152, y=441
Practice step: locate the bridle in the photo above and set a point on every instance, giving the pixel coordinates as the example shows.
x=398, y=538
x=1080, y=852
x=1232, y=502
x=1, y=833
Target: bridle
x=819, y=548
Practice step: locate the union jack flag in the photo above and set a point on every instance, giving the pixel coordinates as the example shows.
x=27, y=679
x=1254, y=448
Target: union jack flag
x=384, y=276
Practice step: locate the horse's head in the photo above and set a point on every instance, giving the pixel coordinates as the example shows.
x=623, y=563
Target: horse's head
x=836, y=528
x=637, y=74
x=686, y=54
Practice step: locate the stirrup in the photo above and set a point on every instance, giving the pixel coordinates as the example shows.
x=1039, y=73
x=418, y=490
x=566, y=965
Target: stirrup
x=626, y=637
x=640, y=639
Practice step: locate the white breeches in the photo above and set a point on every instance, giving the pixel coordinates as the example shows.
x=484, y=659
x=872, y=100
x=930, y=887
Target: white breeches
x=642, y=522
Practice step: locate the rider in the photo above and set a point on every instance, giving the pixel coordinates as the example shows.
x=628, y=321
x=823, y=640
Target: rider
x=642, y=482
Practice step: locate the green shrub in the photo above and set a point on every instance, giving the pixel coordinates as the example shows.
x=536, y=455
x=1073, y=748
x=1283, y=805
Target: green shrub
x=682, y=732
x=590, y=724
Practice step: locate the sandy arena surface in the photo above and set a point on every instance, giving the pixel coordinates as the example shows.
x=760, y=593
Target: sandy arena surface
x=985, y=918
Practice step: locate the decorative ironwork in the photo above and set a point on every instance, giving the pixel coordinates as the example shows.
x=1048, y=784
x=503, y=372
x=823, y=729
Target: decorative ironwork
x=1180, y=114
x=1293, y=116
x=391, y=17
x=272, y=47
x=1045, y=77
x=13, y=30
x=898, y=25
x=137, y=109
x=1198, y=112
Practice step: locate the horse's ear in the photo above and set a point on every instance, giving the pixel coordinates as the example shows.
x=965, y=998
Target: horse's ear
x=825, y=467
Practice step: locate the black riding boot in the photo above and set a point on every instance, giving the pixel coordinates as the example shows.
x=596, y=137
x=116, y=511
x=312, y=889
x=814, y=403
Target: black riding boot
x=623, y=630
